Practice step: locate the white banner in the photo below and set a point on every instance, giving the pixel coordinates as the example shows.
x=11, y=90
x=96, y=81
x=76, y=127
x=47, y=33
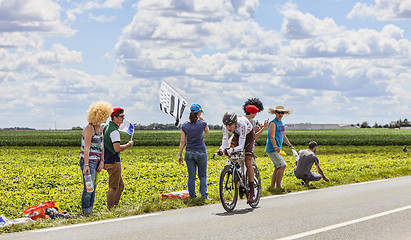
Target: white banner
x=171, y=102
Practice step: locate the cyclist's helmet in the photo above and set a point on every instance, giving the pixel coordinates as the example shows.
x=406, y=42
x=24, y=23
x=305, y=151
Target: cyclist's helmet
x=229, y=118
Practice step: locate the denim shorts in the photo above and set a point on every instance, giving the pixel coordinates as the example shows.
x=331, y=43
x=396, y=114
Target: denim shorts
x=277, y=159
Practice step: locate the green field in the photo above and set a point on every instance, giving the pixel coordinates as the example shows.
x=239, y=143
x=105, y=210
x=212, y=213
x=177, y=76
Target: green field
x=31, y=173
x=345, y=137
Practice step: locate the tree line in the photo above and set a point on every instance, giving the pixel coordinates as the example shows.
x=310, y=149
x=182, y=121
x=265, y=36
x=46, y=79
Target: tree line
x=170, y=126
x=395, y=124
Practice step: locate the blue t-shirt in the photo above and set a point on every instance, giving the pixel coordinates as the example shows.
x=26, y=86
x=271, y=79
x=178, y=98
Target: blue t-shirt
x=279, y=136
x=194, y=135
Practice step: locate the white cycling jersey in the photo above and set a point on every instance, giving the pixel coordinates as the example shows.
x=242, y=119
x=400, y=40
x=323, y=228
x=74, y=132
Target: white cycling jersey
x=243, y=128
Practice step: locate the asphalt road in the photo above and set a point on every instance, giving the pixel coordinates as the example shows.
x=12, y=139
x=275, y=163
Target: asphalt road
x=372, y=210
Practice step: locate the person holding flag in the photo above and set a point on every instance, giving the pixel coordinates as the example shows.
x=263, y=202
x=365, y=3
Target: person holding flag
x=112, y=162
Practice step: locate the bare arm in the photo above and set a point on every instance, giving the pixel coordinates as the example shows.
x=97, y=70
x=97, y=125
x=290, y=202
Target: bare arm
x=320, y=171
x=118, y=148
x=101, y=163
x=182, y=144
x=88, y=134
x=288, y=142
x=261, y=130
x=206, y=129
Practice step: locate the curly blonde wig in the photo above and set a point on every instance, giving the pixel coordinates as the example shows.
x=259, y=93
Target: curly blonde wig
x=98, y=112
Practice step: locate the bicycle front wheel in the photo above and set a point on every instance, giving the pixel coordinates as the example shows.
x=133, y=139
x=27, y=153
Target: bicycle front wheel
x=228, y=189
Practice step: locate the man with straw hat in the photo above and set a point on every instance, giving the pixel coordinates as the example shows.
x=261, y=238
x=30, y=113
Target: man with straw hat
x=275, y=139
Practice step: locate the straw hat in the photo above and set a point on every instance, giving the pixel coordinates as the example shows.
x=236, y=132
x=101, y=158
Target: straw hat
x=279, y=109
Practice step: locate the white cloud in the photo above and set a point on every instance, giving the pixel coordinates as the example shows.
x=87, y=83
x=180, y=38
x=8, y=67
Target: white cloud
x=113, y=4
x=349, y=43
x=221, y=58
x=32, y=16
x=82, y=7
x=382, y=10
x=101, y=18
x=166, y=40
x=298, y=25
x=20, y=40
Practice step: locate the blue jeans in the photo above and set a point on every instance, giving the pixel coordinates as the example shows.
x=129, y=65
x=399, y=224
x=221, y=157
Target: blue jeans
x=87, y=198
x=196, y=160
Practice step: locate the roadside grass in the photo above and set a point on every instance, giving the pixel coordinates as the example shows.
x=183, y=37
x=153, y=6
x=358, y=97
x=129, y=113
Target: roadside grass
x=31, y=175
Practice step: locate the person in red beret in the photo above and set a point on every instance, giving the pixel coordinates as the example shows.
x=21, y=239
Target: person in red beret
x=112, y=162
x=251, y=107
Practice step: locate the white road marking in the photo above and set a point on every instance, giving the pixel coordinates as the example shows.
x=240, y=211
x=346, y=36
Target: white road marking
x=331, y=227
x=283, y=195
x=306, y=191
x=95, y=223
x=361, y=183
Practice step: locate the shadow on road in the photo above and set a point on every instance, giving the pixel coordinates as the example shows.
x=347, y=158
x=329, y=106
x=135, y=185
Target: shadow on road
x=235, y=212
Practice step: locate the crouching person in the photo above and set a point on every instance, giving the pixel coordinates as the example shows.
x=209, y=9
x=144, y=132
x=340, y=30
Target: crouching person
x=304, y=164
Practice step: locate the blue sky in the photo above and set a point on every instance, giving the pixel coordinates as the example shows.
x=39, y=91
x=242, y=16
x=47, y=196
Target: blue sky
x=335, y=61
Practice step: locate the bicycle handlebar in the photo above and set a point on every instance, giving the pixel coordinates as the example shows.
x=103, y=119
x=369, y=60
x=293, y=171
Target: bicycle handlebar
x=233, y=154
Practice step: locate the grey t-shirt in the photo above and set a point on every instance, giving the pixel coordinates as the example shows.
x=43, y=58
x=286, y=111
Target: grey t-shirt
x=304, y=165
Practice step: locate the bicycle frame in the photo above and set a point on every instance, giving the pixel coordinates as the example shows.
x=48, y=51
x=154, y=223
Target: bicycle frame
x=239, y=158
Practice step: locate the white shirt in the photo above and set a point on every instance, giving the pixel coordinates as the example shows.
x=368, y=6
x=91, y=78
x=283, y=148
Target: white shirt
x=243, y=128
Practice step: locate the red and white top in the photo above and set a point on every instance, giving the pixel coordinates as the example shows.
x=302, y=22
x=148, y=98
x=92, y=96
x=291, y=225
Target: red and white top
x=243, y=128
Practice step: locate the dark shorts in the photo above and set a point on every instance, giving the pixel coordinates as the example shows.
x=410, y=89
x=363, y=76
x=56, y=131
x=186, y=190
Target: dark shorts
x=249, y=143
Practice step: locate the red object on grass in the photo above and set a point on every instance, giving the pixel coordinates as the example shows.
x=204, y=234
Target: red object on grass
x=181, y=195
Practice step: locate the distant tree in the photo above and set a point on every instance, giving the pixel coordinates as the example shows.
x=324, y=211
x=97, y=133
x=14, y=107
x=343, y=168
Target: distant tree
x=406, y=123
x=215, y=127
x=77, y=128
x=364, y=125
x=19, y=128
x=376, y=125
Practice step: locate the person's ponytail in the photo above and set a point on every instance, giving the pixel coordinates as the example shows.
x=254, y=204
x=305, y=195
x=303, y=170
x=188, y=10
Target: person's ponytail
x=193, y=117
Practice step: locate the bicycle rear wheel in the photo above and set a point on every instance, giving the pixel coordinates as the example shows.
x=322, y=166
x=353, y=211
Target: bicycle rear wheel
x=257, y=187
x=228, y=189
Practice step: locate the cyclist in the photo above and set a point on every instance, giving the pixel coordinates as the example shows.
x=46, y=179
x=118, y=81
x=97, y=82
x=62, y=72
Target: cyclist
x=243, y=139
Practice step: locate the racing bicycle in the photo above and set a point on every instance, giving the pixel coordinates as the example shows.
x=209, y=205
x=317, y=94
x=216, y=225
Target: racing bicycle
x=234, y=182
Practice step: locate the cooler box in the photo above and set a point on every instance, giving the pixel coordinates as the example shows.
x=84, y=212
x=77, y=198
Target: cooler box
x=180, y=195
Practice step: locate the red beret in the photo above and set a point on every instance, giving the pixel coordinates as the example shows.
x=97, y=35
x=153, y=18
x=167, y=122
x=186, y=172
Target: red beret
x=115, y=111
x=252, y=109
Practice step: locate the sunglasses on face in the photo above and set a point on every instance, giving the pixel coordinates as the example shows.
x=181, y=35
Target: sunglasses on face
x=280, y=112
x=121, y=116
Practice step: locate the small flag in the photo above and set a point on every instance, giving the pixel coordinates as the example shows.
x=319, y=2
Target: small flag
x=171, y=102
x=127, y=127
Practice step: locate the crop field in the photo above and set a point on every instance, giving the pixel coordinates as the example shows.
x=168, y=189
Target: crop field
x=345, y=137
x=31, y=173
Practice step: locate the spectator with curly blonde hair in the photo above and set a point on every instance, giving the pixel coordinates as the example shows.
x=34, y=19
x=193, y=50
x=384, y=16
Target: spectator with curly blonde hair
x=92, y=149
